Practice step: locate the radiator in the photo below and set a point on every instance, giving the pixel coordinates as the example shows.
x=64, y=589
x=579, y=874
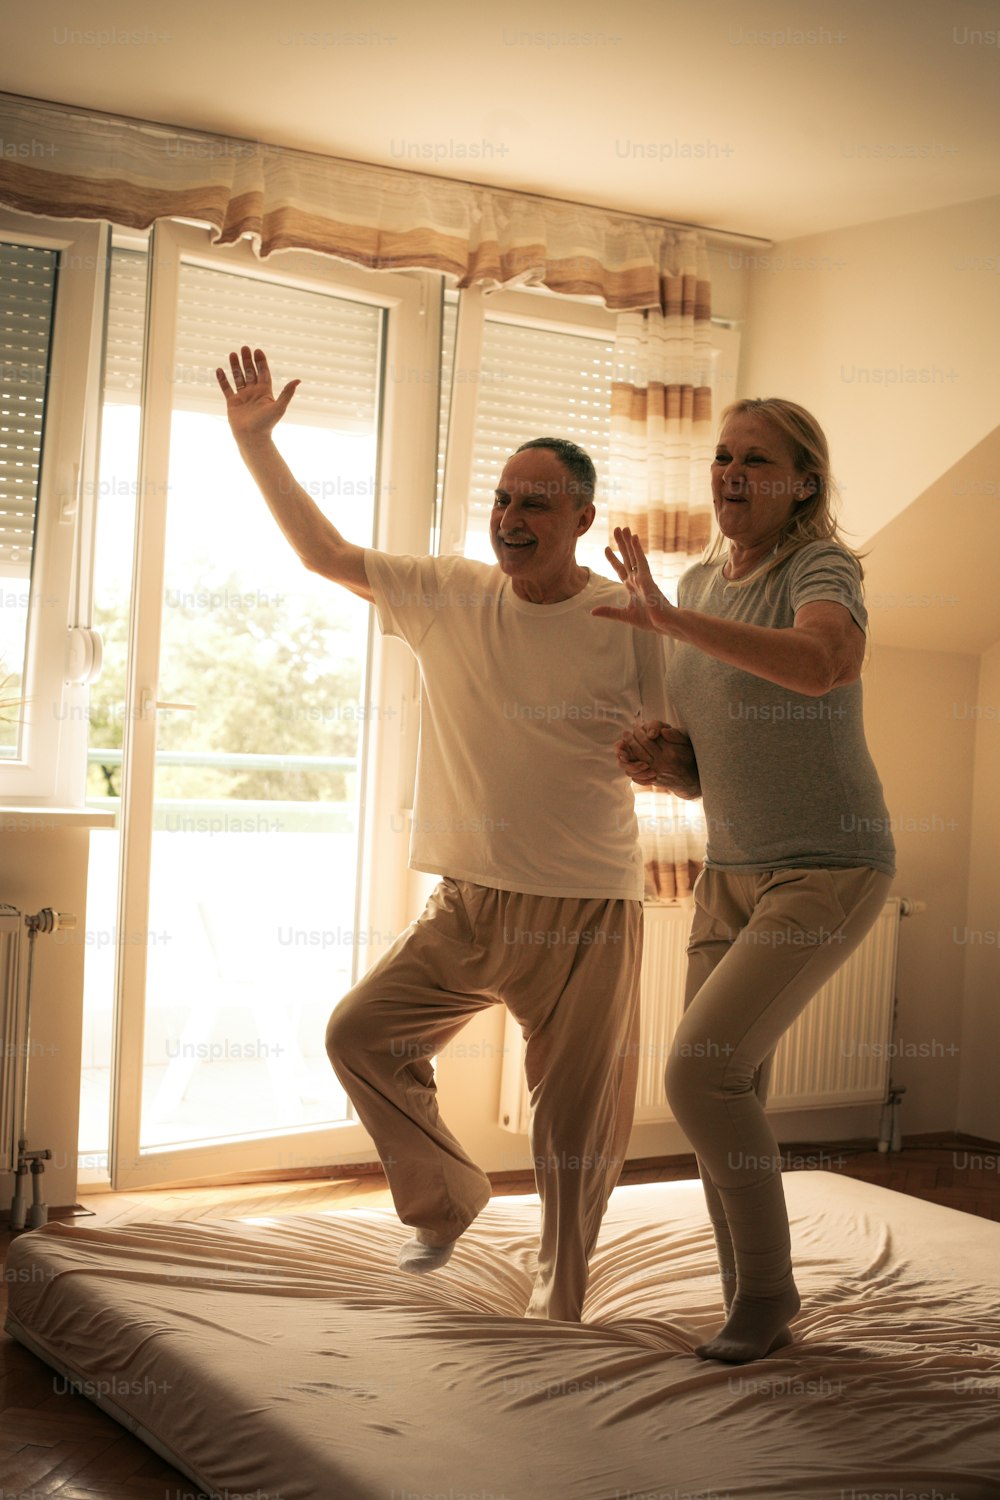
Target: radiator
x=838, y=1051
x=14, y=1027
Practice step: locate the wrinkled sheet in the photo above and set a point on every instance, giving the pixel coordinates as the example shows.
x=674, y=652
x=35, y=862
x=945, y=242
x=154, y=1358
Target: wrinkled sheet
x=290, y=1359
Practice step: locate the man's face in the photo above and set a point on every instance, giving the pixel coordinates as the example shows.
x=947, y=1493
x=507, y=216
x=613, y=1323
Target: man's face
x=536, y=518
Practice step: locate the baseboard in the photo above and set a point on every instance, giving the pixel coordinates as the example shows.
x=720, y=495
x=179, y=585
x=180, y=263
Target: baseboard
x=797, y=1155
x=59, y=1211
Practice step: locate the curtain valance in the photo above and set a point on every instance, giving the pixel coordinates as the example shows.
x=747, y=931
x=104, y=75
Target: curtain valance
x=72, y=163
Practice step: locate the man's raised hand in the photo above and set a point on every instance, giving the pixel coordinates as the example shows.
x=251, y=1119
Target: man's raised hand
x=250, y=406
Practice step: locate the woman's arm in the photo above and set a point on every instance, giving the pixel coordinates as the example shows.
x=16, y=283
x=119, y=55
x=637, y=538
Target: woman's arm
x=823, y=649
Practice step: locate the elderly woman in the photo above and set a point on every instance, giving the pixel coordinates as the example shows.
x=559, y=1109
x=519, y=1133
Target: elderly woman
x=768, y=643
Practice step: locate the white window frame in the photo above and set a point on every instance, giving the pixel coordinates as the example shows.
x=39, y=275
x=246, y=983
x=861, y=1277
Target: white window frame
x=62, y=654
x=406, y=477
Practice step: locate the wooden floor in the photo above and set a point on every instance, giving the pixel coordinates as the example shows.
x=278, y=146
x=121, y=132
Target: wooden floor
x=54, y=1443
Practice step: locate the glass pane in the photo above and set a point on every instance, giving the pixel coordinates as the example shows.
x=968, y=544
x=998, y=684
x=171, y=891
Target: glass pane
x=115, y=528
x=538, y=383
x=253, y=902
x=27, y=298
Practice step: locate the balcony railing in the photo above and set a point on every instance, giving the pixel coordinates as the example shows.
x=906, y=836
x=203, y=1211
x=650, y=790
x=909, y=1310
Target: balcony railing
x=276, y=815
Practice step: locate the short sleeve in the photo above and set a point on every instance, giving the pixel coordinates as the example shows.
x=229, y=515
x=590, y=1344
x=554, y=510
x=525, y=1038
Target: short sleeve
x=827, y=572
x=411, y=592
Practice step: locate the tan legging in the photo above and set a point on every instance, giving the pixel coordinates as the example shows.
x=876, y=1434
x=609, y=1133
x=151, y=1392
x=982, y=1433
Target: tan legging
x=568, y=970
x=761, y=945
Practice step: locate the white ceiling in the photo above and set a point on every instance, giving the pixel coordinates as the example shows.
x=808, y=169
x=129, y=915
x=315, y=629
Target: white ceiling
x=774, y=121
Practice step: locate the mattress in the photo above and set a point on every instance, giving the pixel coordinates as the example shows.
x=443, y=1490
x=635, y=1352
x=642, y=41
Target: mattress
x=290, y=1359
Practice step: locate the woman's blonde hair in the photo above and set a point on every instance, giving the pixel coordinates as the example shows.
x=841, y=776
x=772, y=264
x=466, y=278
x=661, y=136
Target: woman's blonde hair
x=812, y=519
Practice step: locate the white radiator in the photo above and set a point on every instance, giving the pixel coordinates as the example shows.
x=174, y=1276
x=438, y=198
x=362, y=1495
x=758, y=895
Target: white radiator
x=13, y=1030
x=837, y=1052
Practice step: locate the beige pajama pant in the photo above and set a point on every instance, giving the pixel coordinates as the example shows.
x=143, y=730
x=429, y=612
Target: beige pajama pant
x=568, y=970
x=761, y=945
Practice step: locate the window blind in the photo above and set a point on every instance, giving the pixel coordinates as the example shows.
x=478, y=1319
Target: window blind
x=331, y=344
x=125, y=327
x=27, y=297
x=535, y=382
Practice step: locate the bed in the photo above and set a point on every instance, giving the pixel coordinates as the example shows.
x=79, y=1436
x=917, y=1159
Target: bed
x=290, y=1359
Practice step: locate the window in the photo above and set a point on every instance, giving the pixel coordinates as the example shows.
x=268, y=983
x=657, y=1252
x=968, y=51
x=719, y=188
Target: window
x=246, y=708
x=51, y=306
x=27, y=305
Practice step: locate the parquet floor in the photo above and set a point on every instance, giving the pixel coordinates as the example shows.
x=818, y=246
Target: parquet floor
x=57, y=1444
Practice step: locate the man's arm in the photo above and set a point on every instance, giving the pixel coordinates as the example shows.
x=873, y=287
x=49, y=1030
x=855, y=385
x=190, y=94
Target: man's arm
x=659, y=755
x=253, y=414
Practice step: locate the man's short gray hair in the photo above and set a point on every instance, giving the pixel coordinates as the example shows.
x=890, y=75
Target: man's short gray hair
x=582, y=481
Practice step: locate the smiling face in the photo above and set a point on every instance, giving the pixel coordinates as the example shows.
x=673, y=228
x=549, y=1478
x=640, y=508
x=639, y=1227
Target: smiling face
x=755, y=484
x=534, y=526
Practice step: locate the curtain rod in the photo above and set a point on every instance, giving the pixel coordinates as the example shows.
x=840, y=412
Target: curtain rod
x=715, y=236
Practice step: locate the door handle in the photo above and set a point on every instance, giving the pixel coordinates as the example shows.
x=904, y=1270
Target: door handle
x=148, y=701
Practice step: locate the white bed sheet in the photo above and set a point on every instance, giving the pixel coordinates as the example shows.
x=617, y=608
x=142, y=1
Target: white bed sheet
x=290, y=1359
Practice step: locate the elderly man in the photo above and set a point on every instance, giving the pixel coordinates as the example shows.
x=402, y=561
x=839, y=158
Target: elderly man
x=523, y=812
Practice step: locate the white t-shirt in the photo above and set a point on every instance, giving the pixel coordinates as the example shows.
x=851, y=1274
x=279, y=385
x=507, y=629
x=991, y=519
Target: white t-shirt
x=518, y=787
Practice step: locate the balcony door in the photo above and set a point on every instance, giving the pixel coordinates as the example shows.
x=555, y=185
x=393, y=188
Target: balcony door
x=263, y=752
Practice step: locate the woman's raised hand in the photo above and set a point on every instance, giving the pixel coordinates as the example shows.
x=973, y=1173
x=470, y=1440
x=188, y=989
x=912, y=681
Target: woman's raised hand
x=647, y=608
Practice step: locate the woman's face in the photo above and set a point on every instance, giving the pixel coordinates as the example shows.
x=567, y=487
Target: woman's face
x=755, y=484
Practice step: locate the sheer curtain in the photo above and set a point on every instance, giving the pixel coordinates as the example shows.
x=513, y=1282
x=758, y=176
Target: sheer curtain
x=661, y=446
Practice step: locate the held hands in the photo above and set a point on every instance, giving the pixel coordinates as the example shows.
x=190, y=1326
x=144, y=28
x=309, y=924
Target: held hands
x=659, y=755
x=647, y=609
x=251, y=408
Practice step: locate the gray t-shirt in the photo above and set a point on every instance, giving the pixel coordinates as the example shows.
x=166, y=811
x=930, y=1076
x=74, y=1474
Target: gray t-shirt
x=787, y=779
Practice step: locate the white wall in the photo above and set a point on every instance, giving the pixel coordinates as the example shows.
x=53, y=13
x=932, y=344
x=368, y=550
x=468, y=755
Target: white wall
x=887, y=332
x=923, y=748
x=43, y=864
x=917, y=296
x=979, y=936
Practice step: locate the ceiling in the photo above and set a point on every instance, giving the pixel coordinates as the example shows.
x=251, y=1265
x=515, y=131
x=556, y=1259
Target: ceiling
x=773, y=121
